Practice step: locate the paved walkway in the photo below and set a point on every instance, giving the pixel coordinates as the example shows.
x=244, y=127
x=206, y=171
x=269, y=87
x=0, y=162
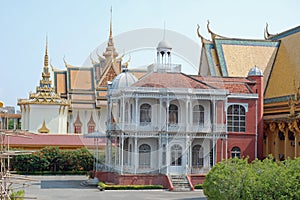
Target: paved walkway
x=69, y=188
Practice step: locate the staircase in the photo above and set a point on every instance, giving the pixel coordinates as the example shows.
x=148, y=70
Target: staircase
x=180, y=183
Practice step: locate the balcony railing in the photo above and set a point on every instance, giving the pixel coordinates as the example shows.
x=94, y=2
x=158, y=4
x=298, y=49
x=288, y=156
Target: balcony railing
x=179, y=127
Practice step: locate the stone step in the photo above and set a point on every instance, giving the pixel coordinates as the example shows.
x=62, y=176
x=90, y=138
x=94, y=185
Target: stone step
x=180, y=183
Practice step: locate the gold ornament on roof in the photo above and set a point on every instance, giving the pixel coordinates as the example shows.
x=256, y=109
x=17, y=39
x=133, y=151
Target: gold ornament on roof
x=44, y=129
x=293, y=102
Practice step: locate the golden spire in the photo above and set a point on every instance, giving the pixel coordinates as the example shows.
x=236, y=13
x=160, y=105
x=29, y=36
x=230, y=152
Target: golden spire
x=46, y=59
x=110, y=27
x=110, y=51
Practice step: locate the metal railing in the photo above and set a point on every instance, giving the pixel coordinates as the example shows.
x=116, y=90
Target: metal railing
x=175, y=127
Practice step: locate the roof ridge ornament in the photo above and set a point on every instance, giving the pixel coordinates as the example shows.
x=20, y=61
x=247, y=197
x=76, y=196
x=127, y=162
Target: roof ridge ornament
x=203, y=39
x=92, y=60
x=66, y=64
x=213, y=35
x=267, y=35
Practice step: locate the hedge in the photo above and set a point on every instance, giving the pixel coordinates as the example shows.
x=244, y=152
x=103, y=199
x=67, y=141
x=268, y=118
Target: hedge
x=53, y=160
x=103, y=186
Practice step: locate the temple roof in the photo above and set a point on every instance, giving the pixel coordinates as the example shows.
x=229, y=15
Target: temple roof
x=285, y=72
x=45, y=93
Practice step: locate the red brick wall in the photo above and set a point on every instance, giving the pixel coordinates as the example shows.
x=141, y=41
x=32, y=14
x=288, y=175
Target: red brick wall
x=134, y=179
x=196, y=178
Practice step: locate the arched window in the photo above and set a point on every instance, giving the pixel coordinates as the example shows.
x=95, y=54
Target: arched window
x=91, y=125
x=145, y=114
x=176, y=154
x=77, y=125
x=198, y=115
x=236, y=152
x=236, y=118
x=197, y=156
x=144, y=156
x=173, y=114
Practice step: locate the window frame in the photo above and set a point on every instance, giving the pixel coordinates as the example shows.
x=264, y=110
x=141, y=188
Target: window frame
x=236, y=118
x=173, y=114
x=235, y=152
x=145, y=114
x=144, y=156
x=176, y=155
x=199, y=113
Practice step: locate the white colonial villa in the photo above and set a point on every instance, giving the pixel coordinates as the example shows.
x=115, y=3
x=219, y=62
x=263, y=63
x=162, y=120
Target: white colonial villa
x=167, y=122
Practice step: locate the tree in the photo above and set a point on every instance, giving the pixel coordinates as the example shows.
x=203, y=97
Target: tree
x=238, y=179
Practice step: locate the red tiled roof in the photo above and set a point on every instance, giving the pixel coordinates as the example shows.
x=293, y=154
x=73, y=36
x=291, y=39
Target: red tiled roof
x=181, y=80
x=233, y=84
x=60, y=140
x=170, y=80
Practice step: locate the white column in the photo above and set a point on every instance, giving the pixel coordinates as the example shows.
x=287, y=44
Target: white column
x=122, y=152
x=167, y=115
x=214, y=131
x=159, y=164
x=135, y=154
x=123, y=113
x=136, y=112
x=226, y=148
x=160, y=120
x=168, y=151
x=190, y=164
x=186, y=114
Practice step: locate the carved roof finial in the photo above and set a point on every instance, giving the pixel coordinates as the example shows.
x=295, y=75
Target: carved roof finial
x=92, y=60
x=267, y=35
x=126, y=63
x=204, y=40
x=213, y=35
x=52, y=67
x=99, y=56
x=266, y=32
x=66, y=64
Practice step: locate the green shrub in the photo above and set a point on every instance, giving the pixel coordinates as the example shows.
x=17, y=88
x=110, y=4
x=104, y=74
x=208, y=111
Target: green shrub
x=17, y=195
x=238, y=179
x=128, y=187
x=198, y=186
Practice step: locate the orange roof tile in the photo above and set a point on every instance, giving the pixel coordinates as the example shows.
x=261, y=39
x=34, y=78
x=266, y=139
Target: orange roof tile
x=170, y=80
x=233, y=84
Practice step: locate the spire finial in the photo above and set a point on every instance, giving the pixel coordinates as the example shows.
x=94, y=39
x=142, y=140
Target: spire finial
x=46, y=62
x=110, y=28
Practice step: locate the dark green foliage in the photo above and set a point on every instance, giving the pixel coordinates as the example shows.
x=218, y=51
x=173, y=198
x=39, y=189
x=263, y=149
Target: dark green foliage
x=198, y=186
x=52, y=160
x=103, y=186
x=238, y=179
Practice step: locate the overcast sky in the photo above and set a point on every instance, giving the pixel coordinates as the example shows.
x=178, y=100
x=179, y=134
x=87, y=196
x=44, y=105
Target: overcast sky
x=76, y=27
